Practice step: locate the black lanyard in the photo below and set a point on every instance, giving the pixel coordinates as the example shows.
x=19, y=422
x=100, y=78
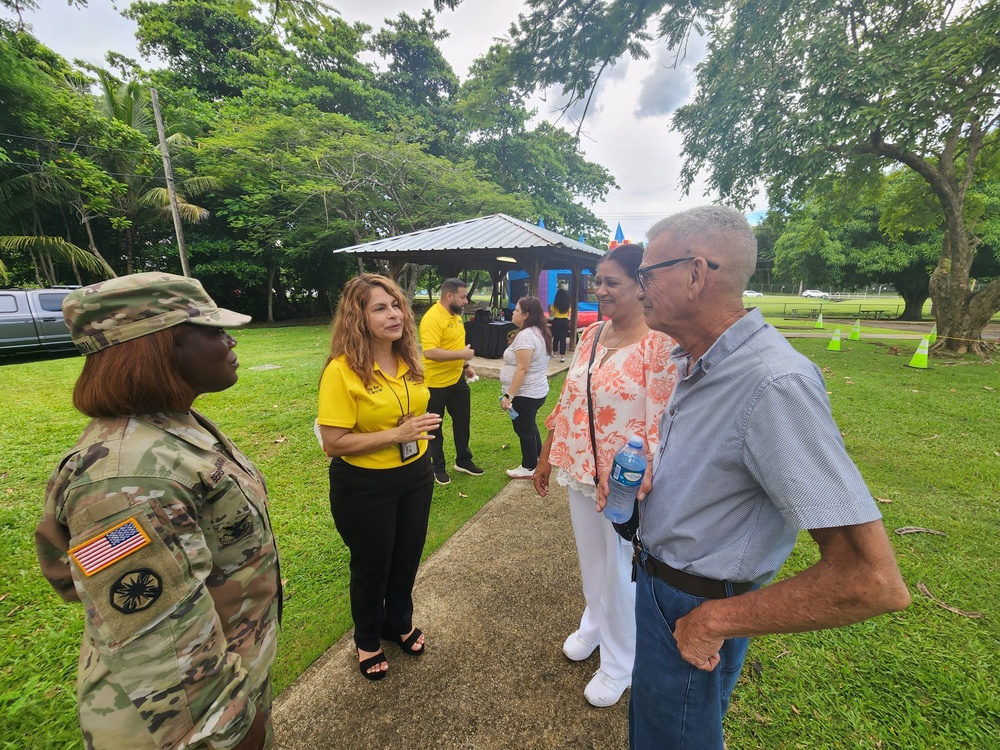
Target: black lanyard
x=393, y=391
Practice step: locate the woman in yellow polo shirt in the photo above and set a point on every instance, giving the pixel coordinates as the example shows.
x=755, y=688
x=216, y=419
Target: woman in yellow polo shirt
x=559, y=312
x=374, y=424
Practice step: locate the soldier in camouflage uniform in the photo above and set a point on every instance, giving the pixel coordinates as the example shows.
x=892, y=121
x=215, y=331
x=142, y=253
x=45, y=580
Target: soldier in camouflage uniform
x=159, y=525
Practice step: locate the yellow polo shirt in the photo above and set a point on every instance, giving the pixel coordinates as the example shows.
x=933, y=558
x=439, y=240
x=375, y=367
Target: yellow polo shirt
x=556, y=314
x=344, y=401
x=440, y=329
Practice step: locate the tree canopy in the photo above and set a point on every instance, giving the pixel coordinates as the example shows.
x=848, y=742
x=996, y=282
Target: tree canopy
x=797, y=93
x=285, y=144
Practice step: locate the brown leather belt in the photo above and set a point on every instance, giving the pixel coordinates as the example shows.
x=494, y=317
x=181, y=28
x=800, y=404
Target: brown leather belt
x=706, y=588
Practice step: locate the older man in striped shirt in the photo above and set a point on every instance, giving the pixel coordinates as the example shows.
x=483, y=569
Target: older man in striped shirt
x=749, y=455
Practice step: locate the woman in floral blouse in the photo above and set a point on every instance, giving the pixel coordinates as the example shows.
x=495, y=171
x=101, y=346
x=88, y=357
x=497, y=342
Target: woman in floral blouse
x=631, y=379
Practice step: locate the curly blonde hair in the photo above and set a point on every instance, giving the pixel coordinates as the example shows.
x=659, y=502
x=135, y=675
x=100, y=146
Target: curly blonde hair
x=352, y=338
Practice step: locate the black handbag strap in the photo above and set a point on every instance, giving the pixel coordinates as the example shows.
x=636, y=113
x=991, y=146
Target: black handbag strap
x=590, y=402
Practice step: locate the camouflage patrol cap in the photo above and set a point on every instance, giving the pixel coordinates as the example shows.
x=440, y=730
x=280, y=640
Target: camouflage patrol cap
x=122, y=309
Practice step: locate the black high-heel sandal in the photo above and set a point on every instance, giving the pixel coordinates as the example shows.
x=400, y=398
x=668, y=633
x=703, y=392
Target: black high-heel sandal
x=407, y=644
x=370, y=662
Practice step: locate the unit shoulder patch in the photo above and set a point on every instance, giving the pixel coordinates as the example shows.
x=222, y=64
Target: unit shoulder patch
x=136, y=590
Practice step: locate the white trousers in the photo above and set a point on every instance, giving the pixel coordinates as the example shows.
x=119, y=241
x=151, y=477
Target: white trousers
x=606, y=569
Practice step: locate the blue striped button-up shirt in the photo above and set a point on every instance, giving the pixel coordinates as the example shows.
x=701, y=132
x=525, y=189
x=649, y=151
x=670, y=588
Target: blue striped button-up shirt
x=749, y=456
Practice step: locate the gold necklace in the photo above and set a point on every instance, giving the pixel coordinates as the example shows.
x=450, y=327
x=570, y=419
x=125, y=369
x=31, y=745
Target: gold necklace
x=621, y=338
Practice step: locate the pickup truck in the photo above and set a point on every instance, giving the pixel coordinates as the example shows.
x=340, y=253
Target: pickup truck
x=32, y=319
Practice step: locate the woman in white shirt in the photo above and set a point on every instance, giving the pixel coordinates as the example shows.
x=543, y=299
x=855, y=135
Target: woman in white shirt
x=524, y=380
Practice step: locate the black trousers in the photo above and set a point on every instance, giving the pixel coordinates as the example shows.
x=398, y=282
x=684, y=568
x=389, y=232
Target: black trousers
x=382, y=516
x=527, y=429
x=560, y=334
x=457, y=399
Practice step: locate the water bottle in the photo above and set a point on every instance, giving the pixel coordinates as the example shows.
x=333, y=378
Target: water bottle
x=512, y=412
x=626, y=476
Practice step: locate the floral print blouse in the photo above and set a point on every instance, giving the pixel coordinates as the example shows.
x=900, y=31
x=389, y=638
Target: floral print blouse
x=630, y=388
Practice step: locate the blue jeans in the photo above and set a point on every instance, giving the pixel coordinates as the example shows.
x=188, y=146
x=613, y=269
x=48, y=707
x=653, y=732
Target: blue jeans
x=675, y=706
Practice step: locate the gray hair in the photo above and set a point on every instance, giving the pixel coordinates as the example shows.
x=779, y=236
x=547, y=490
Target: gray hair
x=719, y=228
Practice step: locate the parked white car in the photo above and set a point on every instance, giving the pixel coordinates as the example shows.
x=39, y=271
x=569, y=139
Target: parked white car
x=752, y=293
x=817, y=293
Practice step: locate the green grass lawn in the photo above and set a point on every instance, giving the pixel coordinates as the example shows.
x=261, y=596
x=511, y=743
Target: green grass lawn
x=927, y=443
x=925, y=440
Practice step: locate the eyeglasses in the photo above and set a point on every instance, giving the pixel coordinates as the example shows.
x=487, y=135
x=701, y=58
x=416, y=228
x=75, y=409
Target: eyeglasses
x=642, y=274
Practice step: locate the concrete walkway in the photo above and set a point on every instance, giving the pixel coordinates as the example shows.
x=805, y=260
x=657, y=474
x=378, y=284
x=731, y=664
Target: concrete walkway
x=495, y=603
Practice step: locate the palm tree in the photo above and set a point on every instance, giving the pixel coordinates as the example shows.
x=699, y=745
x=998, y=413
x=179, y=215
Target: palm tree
x=23, y=199
x=144, y=198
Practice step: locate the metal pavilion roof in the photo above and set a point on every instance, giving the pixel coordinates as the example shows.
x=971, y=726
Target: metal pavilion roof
x=478, y=243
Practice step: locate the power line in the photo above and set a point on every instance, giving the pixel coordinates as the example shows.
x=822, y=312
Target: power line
x=73, y=144
x=113, y=174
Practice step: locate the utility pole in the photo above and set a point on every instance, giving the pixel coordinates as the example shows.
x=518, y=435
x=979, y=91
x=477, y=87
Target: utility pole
x=169, y=173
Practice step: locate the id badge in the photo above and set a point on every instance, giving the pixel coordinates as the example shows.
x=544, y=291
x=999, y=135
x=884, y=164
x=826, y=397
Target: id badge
x=409, y=449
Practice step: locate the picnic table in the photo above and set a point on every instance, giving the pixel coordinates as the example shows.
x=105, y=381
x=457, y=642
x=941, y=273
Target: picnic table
x=804, y=313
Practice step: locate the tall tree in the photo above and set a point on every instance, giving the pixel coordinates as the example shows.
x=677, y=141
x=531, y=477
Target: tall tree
x=326, y=70
x=419, y=79
x=791, y=94
x=213, y=47
x=142, y=199
x=543, y=163
x=807, y=253
x=302, y=183
x=823, y=244
x=49, y=133
x=795, y=91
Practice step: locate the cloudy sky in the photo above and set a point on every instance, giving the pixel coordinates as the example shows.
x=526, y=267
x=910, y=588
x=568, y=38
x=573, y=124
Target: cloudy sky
x=627, y=129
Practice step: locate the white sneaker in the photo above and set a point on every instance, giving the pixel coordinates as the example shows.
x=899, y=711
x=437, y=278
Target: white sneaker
x=520, y=473
x=576, y=648
x=603, y=691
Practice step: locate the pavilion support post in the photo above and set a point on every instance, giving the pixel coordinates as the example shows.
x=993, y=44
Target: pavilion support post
x=495, y=299
x=534, y=268
x=574, y=294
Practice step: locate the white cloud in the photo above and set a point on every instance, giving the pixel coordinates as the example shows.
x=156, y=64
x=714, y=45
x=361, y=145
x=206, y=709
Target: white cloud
x=83, y=33
x=671, y=81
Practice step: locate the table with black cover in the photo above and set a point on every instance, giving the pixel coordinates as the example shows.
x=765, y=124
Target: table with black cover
x=488, y=339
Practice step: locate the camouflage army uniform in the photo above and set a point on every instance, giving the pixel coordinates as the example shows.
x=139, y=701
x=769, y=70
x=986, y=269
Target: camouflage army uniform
x=183, y=594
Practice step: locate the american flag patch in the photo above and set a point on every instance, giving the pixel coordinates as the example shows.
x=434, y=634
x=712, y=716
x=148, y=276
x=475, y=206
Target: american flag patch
x=110, y=547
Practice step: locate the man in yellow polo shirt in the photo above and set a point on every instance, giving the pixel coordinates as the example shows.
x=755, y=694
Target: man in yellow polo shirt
x=446, y=359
